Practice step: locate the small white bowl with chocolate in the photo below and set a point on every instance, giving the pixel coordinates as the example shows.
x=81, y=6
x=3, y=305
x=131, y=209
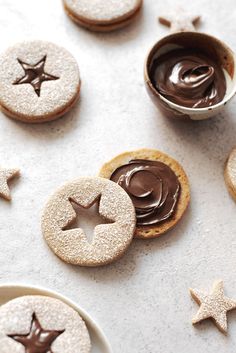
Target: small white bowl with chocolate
x=190, y=74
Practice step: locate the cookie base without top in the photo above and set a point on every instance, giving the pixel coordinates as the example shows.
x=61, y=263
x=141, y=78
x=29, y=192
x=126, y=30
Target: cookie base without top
x=154, y=231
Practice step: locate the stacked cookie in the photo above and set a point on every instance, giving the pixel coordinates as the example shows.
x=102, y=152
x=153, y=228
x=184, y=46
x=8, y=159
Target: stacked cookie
x=39, y=81
x=40, y=324
x=102, y=16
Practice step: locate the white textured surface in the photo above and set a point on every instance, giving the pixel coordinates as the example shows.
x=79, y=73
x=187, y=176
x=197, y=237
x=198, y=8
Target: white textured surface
x=142, y=302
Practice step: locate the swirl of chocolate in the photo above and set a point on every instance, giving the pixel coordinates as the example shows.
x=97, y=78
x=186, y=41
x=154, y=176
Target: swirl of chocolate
x=152, y=186
x=188, y=78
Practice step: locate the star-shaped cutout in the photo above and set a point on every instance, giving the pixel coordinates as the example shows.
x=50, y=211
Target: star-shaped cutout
x=5, y=176
x=35, y=75
x=213, y=305
x=37, y=340
x=87, y=218
x=180, y=21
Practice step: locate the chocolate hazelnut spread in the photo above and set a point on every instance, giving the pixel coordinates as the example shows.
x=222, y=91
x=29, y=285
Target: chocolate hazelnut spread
x=37, y=340
x=35, y=75
x=152, y=186
x=188, y=78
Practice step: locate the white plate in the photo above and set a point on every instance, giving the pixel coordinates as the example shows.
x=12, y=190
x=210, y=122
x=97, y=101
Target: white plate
x=98, y=339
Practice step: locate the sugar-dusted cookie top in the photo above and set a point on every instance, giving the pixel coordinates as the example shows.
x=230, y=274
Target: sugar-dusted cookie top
x=110, y=239
x=5, y=176
x=213, y=305
x=230, y=173
x=39, y=81
x=38, y=324
x=102, y=10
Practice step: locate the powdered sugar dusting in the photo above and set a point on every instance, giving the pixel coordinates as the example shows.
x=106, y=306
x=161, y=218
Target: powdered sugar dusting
x=110, y=240
x=21, y=101
x=102, y=10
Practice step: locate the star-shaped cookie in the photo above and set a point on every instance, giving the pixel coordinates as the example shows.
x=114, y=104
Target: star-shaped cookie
x=35, y=75
x=5, y=175
x=180, y=21
x=213, y=305
x=37, y=340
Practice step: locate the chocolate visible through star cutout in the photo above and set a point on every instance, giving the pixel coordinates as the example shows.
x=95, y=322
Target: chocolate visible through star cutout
x=35, y=75
x=37, y=340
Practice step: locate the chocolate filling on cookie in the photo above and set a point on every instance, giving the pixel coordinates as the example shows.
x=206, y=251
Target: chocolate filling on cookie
x=37, y=340
x=35, y=75
x=188, y=78
x=153, y=187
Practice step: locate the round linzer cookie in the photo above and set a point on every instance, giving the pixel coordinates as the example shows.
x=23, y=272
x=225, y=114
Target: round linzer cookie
x=110, y=240
x=38, y=324
x=230, y=173
x=102, y=15
x=39, y=81
x=157, y=185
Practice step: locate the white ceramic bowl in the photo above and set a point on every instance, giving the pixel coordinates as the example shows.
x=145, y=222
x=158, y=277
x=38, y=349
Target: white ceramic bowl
x=206, y=43
x=100, y=343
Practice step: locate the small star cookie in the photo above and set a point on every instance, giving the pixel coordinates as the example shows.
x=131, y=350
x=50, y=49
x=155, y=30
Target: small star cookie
x=213, y=305
x=5, y=176
x=180, y=21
